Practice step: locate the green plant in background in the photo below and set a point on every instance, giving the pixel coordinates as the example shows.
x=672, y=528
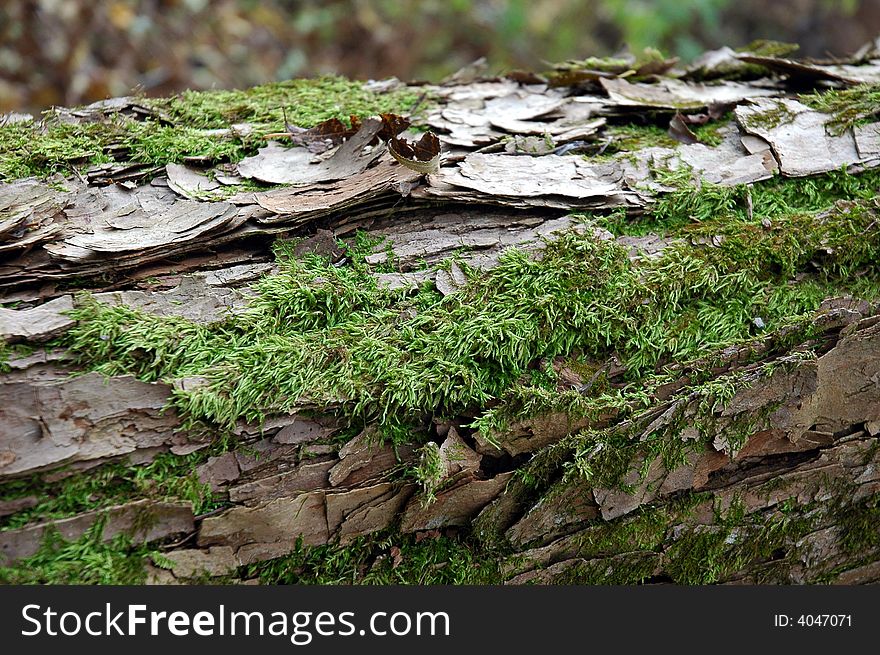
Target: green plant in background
x=168, y=47
x=666, y=24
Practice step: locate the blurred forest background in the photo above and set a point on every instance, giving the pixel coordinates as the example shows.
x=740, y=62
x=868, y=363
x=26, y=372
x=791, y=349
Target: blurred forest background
x=76, y=51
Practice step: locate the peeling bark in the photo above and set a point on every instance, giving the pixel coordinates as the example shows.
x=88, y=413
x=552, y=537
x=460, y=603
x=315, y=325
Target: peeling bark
x=773, y=484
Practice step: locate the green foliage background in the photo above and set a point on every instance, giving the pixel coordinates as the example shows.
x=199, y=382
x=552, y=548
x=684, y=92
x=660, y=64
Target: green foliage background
x=78, y=51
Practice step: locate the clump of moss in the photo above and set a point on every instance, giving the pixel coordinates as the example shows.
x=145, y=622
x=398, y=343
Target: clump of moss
x=712, y=133
x=87, y=560
x=682, y=211
x=770, y=118
x=664, y=541
x=27, y=150
x=193, y=124
x=383, y=559
x=606, y=457
x=626, y=569
x=323, y=335
x=526, y=400
x=846, y=108
x=858, y=526
x=630, y=137
x=305, y=102
x=5, y=354
x=738, y=541
x=769, y=48
x=165, y=478
x=430, y=471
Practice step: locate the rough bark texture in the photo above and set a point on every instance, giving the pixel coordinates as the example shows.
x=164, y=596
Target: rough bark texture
x=779, y=483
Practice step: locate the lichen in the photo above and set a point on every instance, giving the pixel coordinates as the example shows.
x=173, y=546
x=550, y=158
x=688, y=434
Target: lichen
x=770, y=118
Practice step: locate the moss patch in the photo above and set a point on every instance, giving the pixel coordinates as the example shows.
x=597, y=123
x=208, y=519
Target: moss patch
x=846, y=108
x=317, y=333
x=168, y=477
x=87, y=560
x=305, y=103
x=770, y=118
x=383, y=560
x=631, y=137
x=187, y=126
x=663, y=540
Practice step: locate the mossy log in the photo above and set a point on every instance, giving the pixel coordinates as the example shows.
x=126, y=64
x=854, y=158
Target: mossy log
x=586, y=349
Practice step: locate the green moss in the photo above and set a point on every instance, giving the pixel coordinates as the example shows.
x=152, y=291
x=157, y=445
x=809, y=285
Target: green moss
x=491, y=524
x=846, y=108
x=627, y=569
x=770, y=118
x=663, y=538
x=631, y=137
x=88, y=560
x=703, y=557
x=27, y=150
x=187, y=126
x=306, y=102
x=710, y=554
x=605, y=64
x=226, y=191
x=522, y=401
x=10, y=351
x=725, y=210
x=379, y=559
x=430, y=471
x=859, y=526
x=383, y=559
x=645, y=530
x=607, y=457
x=318, y=333
x=712, y=133
x=857, y=533
x=768, y=48
x=147, y=142
x=168, y=477
x=701, y=538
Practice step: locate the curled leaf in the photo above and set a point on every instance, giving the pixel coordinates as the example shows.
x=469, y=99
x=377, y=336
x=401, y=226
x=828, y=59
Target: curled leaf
x=422, y=156
x=324, y=135
x=679, y=130
x=392, y=125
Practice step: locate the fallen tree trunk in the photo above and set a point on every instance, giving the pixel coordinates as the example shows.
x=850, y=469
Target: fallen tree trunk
x=656, y=362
